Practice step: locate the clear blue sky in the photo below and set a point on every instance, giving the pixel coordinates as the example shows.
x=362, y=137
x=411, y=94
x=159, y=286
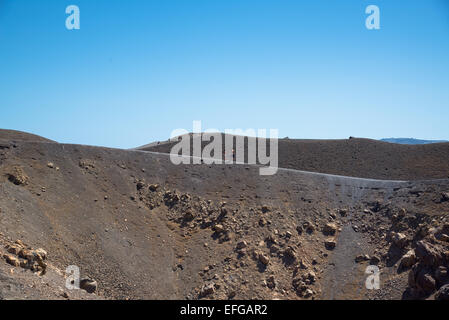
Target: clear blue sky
x=136, y=70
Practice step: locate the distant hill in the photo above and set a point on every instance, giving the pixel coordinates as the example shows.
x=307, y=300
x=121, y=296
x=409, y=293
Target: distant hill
x=13, y=135
x=356, y=157
x=411, y=141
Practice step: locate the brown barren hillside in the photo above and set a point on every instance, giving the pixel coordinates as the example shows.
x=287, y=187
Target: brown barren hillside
x=142, y=227
x=356, y=157
x=13, y=135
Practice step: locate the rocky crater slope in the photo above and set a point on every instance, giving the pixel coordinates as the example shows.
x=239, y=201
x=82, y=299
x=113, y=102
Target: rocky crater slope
x=138, y=226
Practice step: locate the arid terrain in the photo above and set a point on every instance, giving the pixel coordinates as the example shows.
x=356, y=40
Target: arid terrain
x=354, y=157
x=140, y=227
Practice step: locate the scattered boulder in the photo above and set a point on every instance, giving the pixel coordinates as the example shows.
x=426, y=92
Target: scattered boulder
x=443, y=293
x=441, y=275
x=88, y=285
x=361, y=258
x=86, y=164
x=290, y=253
x=29, y=259
x=422, y=231
x=308, y=293
x=14, y=249
x=376, y=206
x=171, y=198
x=399, y=239
x=11, y=260
x=188, y=216
x=140, y=185
x=271, y=282
x=207, y=289
x=264, y=259
x=35, y=259
x=429, y=254
x=425, y=282
x=17, y=176
x=330, y=229
x=330, y=244
x=41, y=253
x=408, y=260
x=271, y=239
x=20, y=243
x=310, y=277
x=309, y=227
x=25, y=254
x=242, y=244
x=218, y=228
x=420, y=279
x=442, y=233
x=301, y=284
